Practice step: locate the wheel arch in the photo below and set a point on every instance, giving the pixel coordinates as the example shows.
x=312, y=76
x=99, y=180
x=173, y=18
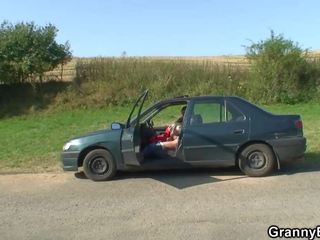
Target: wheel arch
x=88, y=149
x=243, y=146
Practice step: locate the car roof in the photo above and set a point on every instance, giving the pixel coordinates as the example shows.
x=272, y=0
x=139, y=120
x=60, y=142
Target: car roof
x=188, y=98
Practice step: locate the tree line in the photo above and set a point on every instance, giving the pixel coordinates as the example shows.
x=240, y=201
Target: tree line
x=279, y=69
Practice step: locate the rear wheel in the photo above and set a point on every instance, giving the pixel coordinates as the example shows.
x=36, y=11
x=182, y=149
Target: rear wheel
x=99, y=165
x=257, y=160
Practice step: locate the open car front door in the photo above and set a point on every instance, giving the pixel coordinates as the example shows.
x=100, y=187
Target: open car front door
x=131, y=139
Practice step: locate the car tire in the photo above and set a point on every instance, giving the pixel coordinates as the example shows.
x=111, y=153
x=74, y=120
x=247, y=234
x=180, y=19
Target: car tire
x=257, y=160
x=99, y=165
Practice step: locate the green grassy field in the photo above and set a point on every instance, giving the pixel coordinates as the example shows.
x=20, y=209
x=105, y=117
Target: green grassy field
x=32, y=143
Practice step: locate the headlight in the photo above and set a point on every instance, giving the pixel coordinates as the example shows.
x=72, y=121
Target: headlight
x=67, y=146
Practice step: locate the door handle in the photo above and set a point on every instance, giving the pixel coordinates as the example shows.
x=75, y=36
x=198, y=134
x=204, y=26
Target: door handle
x=238, y=131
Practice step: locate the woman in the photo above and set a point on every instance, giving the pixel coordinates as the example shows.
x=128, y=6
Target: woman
x=159, y=149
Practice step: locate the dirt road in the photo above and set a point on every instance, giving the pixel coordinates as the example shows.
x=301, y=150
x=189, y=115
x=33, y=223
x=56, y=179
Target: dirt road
x=215, y=204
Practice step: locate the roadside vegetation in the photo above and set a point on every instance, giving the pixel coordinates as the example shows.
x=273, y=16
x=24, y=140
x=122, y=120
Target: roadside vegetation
x=281, y=72
x=37, y=117
x=27, y=51
x=33, y=142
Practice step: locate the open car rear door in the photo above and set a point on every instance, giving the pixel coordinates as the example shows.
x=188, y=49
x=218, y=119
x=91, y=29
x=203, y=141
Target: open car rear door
x=131, y=139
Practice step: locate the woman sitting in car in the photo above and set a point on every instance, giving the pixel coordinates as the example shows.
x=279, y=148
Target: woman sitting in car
x=160, y=149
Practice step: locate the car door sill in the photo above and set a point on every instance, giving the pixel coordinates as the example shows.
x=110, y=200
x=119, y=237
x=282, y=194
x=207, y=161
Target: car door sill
x=175, y=163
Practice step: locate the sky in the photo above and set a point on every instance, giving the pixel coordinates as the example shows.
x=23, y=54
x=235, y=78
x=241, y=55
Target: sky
x=169, y=27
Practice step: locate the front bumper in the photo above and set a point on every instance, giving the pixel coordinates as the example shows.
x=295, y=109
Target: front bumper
x=288, y=149
x=70, y=160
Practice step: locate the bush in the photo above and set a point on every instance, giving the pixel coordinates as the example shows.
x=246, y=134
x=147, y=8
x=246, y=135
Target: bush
x=280, y=71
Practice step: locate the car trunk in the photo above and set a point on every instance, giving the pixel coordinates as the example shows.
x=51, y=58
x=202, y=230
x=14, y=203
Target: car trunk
x=288, y=125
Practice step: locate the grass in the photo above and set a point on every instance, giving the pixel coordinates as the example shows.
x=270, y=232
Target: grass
x=69, y=70
x=33, y=142
x=103, y=78
x=310, y=114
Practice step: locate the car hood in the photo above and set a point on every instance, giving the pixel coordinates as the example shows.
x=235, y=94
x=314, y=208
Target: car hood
x=99, y=132
x=94, y=138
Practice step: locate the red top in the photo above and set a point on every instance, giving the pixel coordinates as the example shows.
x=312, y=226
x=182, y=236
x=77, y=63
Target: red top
x=161, y=137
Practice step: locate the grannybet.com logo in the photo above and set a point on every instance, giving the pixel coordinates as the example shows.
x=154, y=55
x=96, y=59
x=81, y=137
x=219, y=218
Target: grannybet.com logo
x=306, y=233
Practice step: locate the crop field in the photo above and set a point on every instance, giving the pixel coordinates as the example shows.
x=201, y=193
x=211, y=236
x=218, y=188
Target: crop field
x=68, y=71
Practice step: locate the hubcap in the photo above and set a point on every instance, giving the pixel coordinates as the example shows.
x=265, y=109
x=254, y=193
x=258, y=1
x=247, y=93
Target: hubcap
x=99, y=165
x=256, y=160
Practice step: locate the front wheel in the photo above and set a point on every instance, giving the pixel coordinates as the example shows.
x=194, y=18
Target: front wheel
x=257, y=160
x=99, y=165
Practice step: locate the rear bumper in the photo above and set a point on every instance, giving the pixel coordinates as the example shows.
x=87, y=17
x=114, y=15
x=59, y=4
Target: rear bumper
x=70, y=161
x=288, y=149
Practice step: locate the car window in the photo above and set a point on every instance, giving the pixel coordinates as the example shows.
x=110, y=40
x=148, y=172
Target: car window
x=233, y=114
x=207, y=112
x=167, y=116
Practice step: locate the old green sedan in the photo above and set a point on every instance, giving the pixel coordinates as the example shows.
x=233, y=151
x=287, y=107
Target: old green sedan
x=215, y=131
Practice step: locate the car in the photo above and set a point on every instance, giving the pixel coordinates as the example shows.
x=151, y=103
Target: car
x=216, y=131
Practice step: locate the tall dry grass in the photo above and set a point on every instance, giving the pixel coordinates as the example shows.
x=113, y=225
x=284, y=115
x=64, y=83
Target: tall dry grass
x=119, y=80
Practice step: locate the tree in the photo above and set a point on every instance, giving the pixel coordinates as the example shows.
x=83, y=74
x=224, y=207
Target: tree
x=280, y=71
x=27, y=51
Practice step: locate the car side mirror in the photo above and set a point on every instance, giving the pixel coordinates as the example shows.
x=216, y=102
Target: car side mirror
x=116, y=126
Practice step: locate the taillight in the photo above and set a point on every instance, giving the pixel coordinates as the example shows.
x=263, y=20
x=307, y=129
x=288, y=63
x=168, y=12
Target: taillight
x=298, y=124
